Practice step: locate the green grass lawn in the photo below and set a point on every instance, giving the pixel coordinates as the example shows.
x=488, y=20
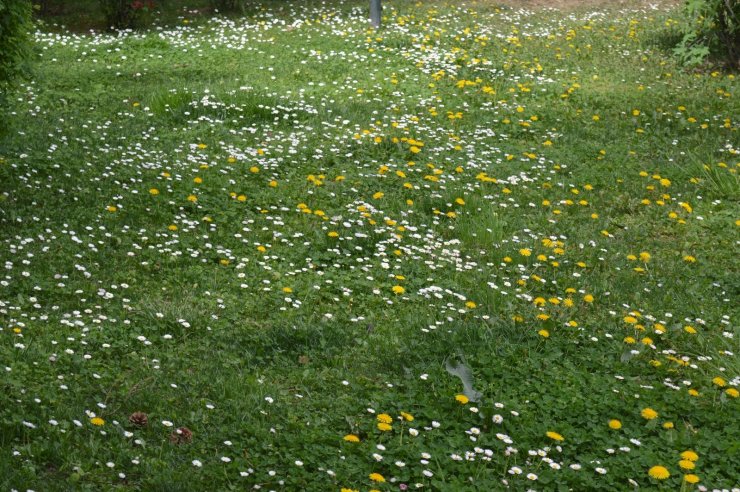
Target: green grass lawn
x=482, y=247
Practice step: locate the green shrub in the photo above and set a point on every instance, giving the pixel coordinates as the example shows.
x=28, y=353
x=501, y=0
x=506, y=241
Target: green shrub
x=712, y=28
x=230, y=6
x=15, y=39
x=127, y=14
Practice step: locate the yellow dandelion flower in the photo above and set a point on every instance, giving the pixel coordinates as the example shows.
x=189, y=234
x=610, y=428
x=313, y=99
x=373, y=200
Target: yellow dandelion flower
x=397, y=289
x=686, y=464
x=691, y=478
x=659, y=472
x=97, y=421
x=554, y=435
x=615, y=424
x=544, y=333
x=351, y=438
x=718, y=381
x=732, y=392
x=382, y=426
x=648, y=413
x=690, y=455
x=377, y=477
x=525, y=252
x=153, y=191
x=462, y=399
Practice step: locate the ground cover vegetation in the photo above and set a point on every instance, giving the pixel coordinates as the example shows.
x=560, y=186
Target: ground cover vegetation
x=483, y=247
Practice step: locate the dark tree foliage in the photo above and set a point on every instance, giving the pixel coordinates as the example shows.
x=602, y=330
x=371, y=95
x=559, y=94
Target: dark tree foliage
x=15, y=40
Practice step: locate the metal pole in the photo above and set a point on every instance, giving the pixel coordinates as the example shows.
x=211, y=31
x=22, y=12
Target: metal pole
x=375, y=9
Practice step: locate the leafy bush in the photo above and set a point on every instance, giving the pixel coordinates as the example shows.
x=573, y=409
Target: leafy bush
x=126, y=14
x=713, y=27
x=229, y=6
x=15, y=43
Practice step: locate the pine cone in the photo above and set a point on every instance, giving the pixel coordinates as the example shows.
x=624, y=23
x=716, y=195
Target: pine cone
x=182, y=435
x=139, y=419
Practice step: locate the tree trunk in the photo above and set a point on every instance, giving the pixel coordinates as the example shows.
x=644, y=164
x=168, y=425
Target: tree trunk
x=375, y=9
